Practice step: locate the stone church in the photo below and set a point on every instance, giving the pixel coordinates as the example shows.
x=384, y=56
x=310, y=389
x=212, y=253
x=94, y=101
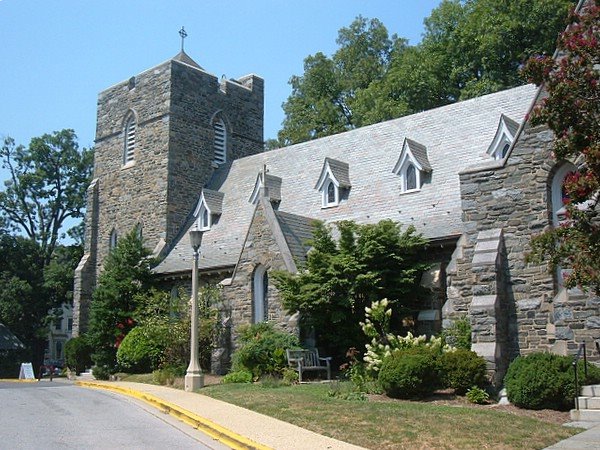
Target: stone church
x=178, y=148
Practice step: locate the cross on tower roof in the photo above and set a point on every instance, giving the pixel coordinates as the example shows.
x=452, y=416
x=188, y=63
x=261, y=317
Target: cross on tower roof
x=183, y=35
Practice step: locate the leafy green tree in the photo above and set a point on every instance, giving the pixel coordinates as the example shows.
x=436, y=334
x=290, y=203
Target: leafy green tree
x=23, y=303
x=321, y=102
x=46, y=187
x=126, y=275
x=342, y=277
x=469, y=48
x=572, y=111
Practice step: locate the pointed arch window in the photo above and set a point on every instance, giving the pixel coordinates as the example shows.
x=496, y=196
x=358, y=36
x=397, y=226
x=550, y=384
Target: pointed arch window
x=332, y=194
x=112, y=242
x=260, y=295
x=558, y=194
x=411, y=178
x=130, y=139
x=220, y=145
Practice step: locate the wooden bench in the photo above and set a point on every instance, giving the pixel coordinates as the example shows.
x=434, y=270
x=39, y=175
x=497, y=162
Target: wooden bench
x=306, y=360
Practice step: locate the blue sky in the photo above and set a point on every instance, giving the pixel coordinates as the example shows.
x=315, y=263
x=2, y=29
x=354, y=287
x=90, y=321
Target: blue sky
x=56, y=56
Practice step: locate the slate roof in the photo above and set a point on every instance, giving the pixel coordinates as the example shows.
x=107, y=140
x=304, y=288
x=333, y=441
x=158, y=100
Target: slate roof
x=420, y=153
x=456, y=136
x=214, y=200
x=8, y=341
x=297, y=231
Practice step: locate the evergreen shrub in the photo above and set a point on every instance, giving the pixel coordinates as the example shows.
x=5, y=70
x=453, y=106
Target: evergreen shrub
x=262, y=349
x=545, y=380
x=78, y=354
x=142, y=349
x=458, y=335
x=410, y=373
x=462, y=369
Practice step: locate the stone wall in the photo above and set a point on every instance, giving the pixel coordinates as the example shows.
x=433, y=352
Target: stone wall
x=260, y=248
x=515, y=195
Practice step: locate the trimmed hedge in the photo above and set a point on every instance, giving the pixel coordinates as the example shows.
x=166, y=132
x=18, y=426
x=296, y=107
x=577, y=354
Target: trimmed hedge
x=545, y=380
x=462, y=369
x=410, y=373
x=142, y=349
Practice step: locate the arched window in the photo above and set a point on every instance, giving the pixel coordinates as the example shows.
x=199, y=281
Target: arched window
x=411, y=178
x=260, y=291
x=558, y=195
x=331, y=194
x=112, y=242
x=139, y=230
x=220, y=145
x=129, y=139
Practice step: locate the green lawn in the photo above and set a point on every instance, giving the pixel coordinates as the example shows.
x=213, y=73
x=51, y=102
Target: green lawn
x=392, y=424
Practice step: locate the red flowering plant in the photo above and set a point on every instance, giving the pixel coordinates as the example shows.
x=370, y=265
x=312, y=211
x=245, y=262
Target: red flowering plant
x=571, y=110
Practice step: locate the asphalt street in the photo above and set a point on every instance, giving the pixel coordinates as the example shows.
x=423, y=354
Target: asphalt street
x=59, y=415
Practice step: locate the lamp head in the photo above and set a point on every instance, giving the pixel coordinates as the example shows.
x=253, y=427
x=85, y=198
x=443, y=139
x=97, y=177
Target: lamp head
x=196, y=238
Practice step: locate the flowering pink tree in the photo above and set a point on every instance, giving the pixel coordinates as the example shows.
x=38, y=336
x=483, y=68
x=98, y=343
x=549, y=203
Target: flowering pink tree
x=572, y=111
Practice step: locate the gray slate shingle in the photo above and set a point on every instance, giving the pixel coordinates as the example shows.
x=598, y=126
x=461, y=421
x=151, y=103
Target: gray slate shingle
x=456, y=136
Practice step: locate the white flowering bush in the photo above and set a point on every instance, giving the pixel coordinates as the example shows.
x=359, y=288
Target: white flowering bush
x=383, y=343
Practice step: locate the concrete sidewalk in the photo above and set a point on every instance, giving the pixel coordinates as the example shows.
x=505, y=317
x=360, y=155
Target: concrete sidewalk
x=235, y=427
x=589, y=439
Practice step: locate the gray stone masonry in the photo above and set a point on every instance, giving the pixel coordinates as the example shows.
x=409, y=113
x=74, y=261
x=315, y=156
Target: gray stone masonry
x=515, y=195
x=174, y=105
x=263, y=247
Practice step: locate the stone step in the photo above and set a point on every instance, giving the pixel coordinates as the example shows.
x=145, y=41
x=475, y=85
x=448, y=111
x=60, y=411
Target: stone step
x=592, y=390
x=589, y=402
x=585, y=415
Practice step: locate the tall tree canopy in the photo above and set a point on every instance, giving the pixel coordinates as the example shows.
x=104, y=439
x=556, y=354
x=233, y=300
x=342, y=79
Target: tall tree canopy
x=321, y=102
x=572, y=111
x=46, y=186
x=469, y=48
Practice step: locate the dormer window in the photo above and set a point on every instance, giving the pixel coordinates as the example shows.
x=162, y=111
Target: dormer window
x=411, y=166
x=220, y=144
x=267, y=185
x=129, y=138
x=505, y=135
x=208, y=209
x=334, y=179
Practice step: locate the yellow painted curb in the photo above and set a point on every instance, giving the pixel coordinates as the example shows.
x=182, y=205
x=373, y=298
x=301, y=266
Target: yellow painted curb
x=222, y=434
x=17, y=380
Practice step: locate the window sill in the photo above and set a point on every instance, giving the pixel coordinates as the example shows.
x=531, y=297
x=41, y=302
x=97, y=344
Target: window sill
x=412, y=191
x=129, y=165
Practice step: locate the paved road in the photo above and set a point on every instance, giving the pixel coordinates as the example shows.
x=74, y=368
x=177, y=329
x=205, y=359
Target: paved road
x=59, y=415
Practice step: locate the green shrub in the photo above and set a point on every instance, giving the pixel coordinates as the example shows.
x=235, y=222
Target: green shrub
x=410, y=373
x=262, y=349
x=462, y=369
x=545, y=380
x=78, y=354
x=101, y=372
x=238, y=376
x=290, y=376
x=458, y=334
x=478, y=396
x=141, y=349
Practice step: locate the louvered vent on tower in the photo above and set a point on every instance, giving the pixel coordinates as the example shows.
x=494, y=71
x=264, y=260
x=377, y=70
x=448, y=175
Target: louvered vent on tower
x=220, y=142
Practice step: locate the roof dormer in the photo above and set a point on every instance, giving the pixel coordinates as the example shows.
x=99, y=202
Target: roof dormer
x=209, y=208
x=411, y=166
x=333, y=181
x=505, y=135
x=270, y=186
